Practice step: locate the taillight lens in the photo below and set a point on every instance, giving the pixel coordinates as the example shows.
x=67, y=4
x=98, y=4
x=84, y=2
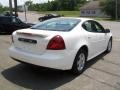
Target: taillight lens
x=56, y=43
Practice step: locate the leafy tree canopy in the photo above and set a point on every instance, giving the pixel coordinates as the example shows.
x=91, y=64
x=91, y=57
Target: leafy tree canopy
x=109, y=7
x=56, y=5
x=2, y=8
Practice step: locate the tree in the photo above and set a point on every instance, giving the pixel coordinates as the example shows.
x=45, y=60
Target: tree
x=28, y=3
x=55, y=5
x=109, y=7
x=2, y=8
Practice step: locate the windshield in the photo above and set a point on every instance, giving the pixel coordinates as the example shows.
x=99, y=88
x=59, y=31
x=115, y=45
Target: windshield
x=58, y=24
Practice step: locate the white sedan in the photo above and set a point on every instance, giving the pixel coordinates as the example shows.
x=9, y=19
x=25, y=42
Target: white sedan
x=61, y=43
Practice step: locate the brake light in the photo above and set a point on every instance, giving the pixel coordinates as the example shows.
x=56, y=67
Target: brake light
x=56, y=43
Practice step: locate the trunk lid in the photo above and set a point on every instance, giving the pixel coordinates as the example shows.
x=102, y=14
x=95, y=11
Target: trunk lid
x=33, y=41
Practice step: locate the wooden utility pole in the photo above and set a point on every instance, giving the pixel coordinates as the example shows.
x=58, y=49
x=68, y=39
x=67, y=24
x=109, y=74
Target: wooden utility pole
x=15, y=6
x=116, y=10
x=10, y=5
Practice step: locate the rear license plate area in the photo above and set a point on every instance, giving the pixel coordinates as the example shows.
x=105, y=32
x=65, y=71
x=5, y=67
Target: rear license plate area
x=31, y=41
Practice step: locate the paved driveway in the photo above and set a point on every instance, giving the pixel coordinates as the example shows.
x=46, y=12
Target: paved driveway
x=102, y=73
x=113, y=26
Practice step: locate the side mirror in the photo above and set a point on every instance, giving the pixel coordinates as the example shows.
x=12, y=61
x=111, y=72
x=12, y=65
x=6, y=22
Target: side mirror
x=107, y=30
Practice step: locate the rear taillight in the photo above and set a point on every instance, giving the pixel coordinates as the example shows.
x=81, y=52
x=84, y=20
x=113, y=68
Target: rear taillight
x=56, y=43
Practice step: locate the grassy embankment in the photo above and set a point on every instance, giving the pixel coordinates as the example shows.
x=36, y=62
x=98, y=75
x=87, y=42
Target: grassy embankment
x=74, y=14
x=64, y=13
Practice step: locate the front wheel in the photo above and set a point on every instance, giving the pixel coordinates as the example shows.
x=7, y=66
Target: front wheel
x=79, y=63
x=109, y=47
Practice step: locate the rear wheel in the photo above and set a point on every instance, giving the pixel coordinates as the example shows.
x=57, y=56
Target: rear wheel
x=79, y=63
x=109, y=47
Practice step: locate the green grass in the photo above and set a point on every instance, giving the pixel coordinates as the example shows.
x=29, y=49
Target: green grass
x=64, y=13
x=105, y=19
x=75, y=14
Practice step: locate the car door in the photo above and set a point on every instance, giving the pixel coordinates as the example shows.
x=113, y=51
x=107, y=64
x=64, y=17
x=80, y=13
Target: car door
x=101, y=36
x=91, y=37
x=6, y=22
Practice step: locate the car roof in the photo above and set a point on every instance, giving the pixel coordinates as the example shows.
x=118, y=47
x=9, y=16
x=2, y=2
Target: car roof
x=6, y=16
x=80, y=18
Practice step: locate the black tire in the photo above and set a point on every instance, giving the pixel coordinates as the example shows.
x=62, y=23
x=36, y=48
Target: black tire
x=40, y=20
x=79, y=64
x=109, y=46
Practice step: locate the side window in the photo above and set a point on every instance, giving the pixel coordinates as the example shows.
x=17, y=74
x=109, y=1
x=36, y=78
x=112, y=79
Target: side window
x=87, y=26
x=18, y=20
x=14, y=20
x=93, y=26
x=98, y=27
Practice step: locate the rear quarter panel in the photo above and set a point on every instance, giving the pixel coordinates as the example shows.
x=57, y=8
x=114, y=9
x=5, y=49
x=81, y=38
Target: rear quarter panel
x=75, y=39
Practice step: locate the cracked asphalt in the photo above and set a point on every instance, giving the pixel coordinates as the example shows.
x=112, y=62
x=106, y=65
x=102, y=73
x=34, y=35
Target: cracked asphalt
x=102, y=72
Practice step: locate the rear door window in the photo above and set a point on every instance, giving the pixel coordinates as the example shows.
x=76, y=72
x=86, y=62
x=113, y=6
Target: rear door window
x=87, y=26
x=93, y=26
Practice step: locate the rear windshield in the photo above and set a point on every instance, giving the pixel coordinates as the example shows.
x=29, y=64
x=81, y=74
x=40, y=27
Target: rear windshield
x=58, y=24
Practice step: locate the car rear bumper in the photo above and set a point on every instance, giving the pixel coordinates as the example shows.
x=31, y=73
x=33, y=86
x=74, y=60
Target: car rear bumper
x=52, y=59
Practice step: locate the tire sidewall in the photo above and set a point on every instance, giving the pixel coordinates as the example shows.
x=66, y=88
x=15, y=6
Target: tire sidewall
x=75, y=68
x=109, y=50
